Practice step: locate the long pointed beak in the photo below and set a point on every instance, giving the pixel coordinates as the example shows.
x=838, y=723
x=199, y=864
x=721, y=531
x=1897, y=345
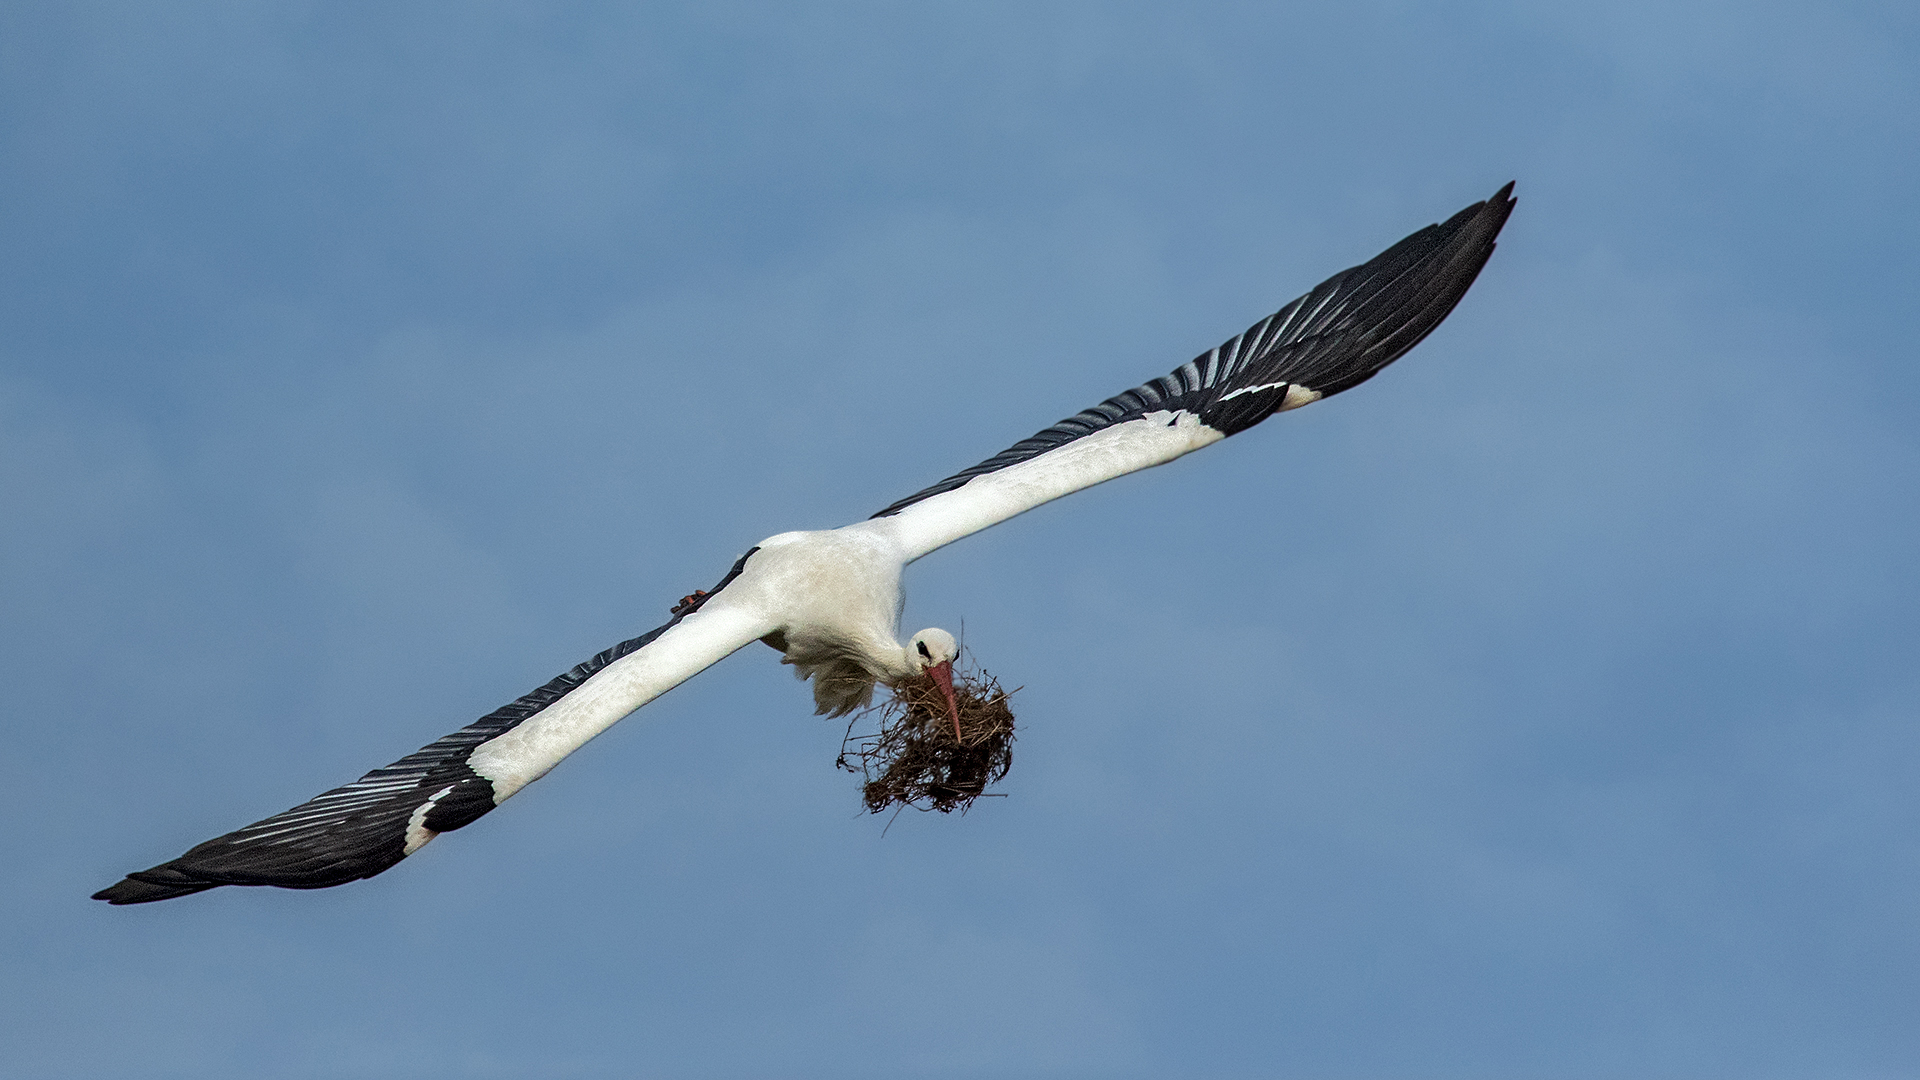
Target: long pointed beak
x=942, y=673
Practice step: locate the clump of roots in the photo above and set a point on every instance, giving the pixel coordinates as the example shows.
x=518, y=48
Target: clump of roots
x=914, y=758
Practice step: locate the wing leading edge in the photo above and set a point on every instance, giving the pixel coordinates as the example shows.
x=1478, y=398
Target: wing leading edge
x=1334, y=338
x=363, y=828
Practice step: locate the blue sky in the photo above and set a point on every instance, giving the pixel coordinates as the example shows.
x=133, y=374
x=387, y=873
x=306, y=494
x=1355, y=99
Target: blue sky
x=1543, y=708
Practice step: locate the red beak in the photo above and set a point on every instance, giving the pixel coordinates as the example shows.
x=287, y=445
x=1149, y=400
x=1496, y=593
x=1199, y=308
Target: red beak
x=942, y=673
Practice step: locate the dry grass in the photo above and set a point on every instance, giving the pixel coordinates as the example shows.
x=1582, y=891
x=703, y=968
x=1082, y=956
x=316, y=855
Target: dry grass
x=913, y=758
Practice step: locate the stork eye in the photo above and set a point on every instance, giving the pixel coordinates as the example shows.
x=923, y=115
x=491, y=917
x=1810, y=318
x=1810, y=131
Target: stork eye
x=923, y=649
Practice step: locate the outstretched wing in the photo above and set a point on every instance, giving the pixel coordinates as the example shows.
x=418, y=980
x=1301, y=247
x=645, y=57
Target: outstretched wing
x=357, y=831
x=1332, y=339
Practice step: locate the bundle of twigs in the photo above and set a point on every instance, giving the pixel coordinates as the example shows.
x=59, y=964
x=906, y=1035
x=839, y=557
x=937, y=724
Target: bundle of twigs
x=914, y=758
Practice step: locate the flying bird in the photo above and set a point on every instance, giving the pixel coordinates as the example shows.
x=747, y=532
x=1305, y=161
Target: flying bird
x=831, y=600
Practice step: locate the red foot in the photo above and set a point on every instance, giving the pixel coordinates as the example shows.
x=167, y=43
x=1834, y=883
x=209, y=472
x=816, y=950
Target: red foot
x=688, y=603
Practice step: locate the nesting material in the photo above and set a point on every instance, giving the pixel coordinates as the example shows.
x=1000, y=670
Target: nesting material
x=914, y=759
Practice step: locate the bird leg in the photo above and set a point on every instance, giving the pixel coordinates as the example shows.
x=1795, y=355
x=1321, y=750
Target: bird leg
x=689, y=603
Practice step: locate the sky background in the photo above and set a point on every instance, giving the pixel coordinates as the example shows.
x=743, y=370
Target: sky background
x=1544, y=708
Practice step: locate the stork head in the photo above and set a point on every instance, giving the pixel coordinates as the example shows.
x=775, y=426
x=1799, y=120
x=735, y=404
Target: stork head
x=934, y=651
x=931, y=648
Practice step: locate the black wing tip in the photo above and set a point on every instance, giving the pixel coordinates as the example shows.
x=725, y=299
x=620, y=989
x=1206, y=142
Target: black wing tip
x=160, y=883
x=1476, y=224
x=1496, y=210
x=1479, y=223
x=1451, y=256
x=1485, y=220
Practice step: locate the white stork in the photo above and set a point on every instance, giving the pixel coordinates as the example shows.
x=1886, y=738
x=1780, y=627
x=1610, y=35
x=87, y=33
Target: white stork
x=831, y=600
